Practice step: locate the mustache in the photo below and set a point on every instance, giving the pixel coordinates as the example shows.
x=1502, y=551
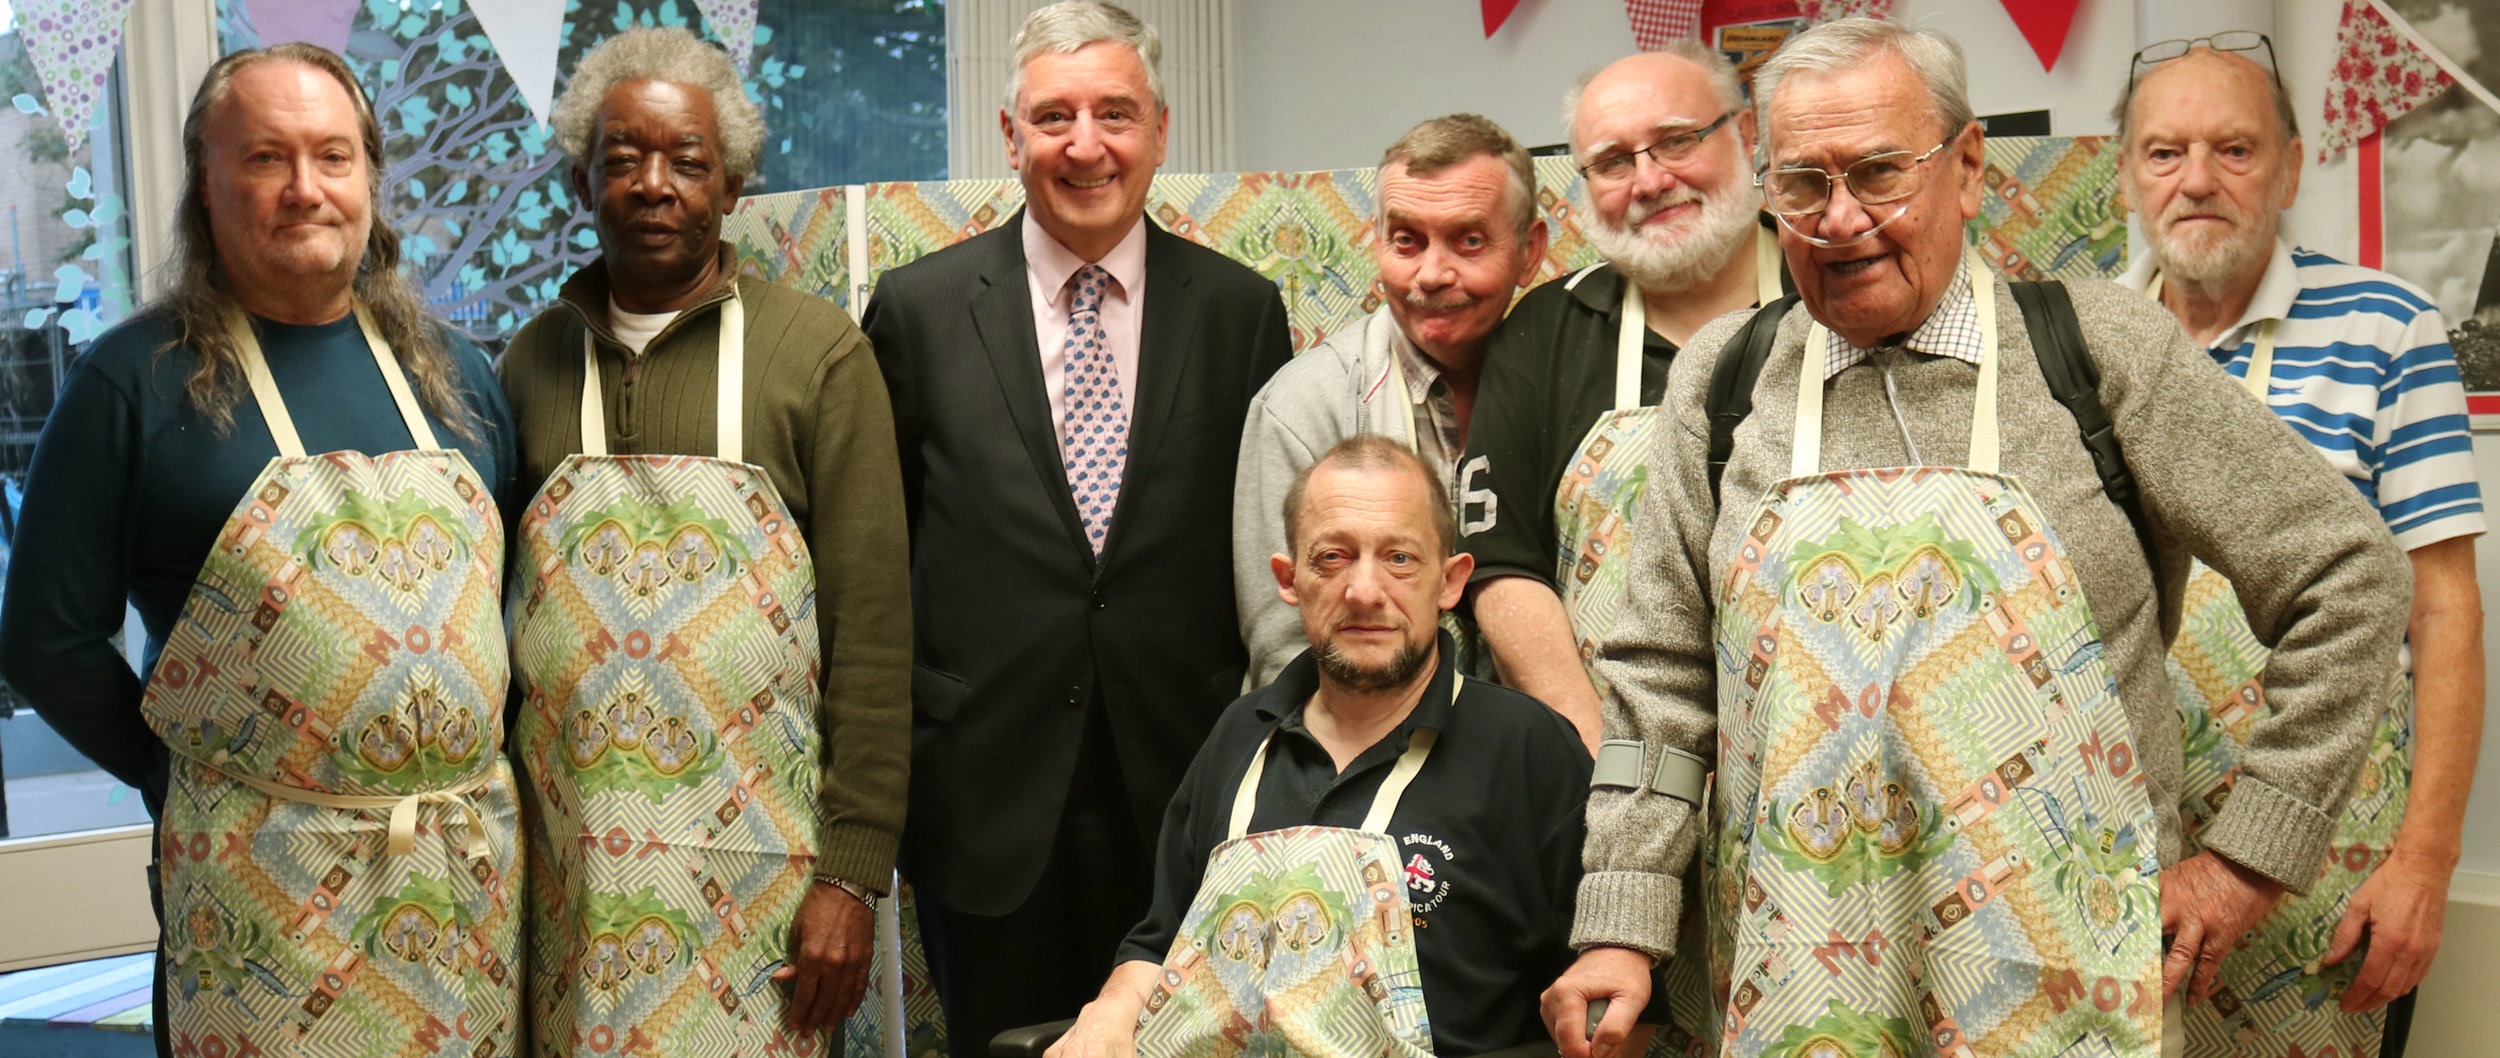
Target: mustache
x=1416, y=299
x=2216, y=206
x=1637, y=212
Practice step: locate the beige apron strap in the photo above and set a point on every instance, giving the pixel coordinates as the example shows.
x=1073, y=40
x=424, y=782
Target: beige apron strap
x=1805, y=455
x=403, y=808
x=2260, y=375
x=731, y=371
x=594, y=411
x=410, y=411
x=264, y=387
x=1984, y=441
x=1628, y=341
x=1246, y=798
x=1766, y=267
x=1400, y=406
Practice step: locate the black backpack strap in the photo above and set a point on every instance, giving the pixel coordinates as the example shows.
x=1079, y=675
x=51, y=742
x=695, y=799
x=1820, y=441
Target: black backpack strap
x=1732, y=379
x=2057, y=342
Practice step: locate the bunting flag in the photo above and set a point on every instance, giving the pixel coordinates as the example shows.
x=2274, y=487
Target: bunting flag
x=72, y=44
x=1655, y=22
x=320, y=22
x=733, y=24
x=526, y=34
x=1822, y=11
x=2383, y=70
x=2044, y=23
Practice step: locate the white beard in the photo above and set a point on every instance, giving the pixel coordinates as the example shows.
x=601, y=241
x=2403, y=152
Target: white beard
x=1682, y=256
x=2208, y=260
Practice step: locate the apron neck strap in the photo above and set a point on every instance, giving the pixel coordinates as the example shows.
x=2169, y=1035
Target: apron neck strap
x=273, y=406
x=730, y=372
x=1766, y=267
x=1384, y=800
x=1400, y=409
x=1635, y=330
x=1805, y=455
x=2260, y=376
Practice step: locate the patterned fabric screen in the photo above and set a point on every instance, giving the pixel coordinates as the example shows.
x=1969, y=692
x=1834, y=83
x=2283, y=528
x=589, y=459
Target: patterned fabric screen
x=2050, y=211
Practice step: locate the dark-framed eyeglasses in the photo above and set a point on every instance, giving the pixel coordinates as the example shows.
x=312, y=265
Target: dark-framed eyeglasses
x=1674, y=147
x=2161, y=52
x=1803, y=190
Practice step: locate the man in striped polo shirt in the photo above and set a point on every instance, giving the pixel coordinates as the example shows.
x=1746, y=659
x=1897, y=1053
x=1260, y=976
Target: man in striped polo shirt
x=2357, y=362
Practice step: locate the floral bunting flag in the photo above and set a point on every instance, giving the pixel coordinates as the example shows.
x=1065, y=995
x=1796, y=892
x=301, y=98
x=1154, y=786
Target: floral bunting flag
x=72, y=44
x=2383, y=70
x=733, y=24
x=1655, y=22
x=1822, y=11
x=526, y=34
x=321, y=22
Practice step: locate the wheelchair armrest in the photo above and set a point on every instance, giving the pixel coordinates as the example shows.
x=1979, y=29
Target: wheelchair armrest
x=1029, y=1041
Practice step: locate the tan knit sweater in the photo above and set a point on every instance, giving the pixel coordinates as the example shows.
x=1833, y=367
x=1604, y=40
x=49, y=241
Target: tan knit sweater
x=817, y=420
x=2223, y=480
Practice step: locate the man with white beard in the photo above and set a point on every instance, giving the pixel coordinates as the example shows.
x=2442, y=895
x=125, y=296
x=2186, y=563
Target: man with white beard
x=1551, y=479
x=2357, y=362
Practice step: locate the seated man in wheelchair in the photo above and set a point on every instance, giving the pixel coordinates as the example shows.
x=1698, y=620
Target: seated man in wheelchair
x=1372, y=855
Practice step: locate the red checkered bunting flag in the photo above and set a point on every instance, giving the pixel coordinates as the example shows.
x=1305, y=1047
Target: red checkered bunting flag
x=1655, y=22
x=2383, y=71
x=1822, y=11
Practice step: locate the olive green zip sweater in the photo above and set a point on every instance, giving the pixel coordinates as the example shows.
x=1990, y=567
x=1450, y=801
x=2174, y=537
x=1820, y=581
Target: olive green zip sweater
x=818, y=422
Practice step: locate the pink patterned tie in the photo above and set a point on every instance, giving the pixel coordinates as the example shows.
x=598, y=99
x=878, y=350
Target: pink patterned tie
x=1093, y=422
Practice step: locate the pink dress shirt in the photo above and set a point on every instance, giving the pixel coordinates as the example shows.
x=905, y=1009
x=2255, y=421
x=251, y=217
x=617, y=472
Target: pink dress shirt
x=1047, y=268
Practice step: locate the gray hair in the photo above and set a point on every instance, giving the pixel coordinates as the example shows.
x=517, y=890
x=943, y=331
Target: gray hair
x=664, y=54
x=1069, y=25
x=1712, y=61
x=2283, y=111
x=1442, y=142
x=1850, y=43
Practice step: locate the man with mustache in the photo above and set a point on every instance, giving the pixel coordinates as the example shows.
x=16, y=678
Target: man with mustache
x=1457, y=232
x=1923, y=646
x=2357, y=362
x=711, y=630
x=1550, y=478
x=1408, y=832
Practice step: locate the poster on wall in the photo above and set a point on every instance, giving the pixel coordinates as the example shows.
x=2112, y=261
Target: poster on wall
x=1748, y=31
x=2440, y=175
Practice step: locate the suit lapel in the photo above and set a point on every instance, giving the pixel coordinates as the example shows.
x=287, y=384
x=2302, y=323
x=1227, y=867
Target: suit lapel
x=1165, y=336
x=1002, y=311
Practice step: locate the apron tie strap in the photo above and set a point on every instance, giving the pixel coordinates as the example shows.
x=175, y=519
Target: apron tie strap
x=402, y=807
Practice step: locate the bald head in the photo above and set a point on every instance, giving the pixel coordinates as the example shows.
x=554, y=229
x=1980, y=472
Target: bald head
x=2209, y=159
x=2228, y=76
x=1677, y=85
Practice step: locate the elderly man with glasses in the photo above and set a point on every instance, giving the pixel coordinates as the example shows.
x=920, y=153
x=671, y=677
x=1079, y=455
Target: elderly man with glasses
x=1926, y=646
x=1552, y=476
x=2357, y=362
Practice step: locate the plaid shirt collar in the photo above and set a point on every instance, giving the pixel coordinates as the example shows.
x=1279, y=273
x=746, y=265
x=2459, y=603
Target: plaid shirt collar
x=1952, y=330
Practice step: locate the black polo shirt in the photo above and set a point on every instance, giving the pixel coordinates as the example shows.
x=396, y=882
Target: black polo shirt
x=1549, y=372
x=1489, y=836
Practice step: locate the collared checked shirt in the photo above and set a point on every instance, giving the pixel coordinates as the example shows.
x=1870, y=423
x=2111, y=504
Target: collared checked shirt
x=1433, y=415
x=1952, y=330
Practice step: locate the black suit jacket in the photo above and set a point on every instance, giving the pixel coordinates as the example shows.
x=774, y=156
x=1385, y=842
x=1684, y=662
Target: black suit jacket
x=1018, y=628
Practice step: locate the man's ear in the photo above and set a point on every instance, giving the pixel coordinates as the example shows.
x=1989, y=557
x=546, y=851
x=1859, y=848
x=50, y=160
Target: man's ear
x=729, y=199
x=1538, y=236
x=578, y=175
x=2291, y=176
x=1281, y=565
x=1972, y=156
x=1007, y=132
x=1454, y=574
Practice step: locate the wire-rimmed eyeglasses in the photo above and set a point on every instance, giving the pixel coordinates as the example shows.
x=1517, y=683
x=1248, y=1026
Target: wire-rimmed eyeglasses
x=1674, y=147
x=2160, y=52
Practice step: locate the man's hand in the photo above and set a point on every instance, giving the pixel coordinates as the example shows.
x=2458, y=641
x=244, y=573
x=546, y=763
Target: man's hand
x=2402, y=907
x=1618, y=975
x=2207, y=902
x=830, y=941
x=1107, y=1027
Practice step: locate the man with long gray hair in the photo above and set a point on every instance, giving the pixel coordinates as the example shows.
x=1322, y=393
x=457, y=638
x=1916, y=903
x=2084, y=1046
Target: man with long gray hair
x=1068, y=392
x=1900, y=594
x=318, y=723
x=714, y=646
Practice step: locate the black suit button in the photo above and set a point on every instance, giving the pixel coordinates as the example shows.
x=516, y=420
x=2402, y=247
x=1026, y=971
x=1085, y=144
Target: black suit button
x=1099, y=601
x=1076, y=696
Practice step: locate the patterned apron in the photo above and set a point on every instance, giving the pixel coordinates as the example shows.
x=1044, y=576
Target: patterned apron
x=1298, y=941
x=1593, y=512
x=339, y=846
x=2274, y=999
x=1933, y=836
x=664, y=634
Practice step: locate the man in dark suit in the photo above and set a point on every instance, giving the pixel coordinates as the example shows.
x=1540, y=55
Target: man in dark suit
x=1069, y=392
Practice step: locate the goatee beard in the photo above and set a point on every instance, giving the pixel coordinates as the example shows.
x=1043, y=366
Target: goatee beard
x=1400, y=670
x=1695, y=253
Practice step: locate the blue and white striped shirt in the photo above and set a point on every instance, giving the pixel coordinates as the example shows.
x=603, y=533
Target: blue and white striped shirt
x=2363, y=371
